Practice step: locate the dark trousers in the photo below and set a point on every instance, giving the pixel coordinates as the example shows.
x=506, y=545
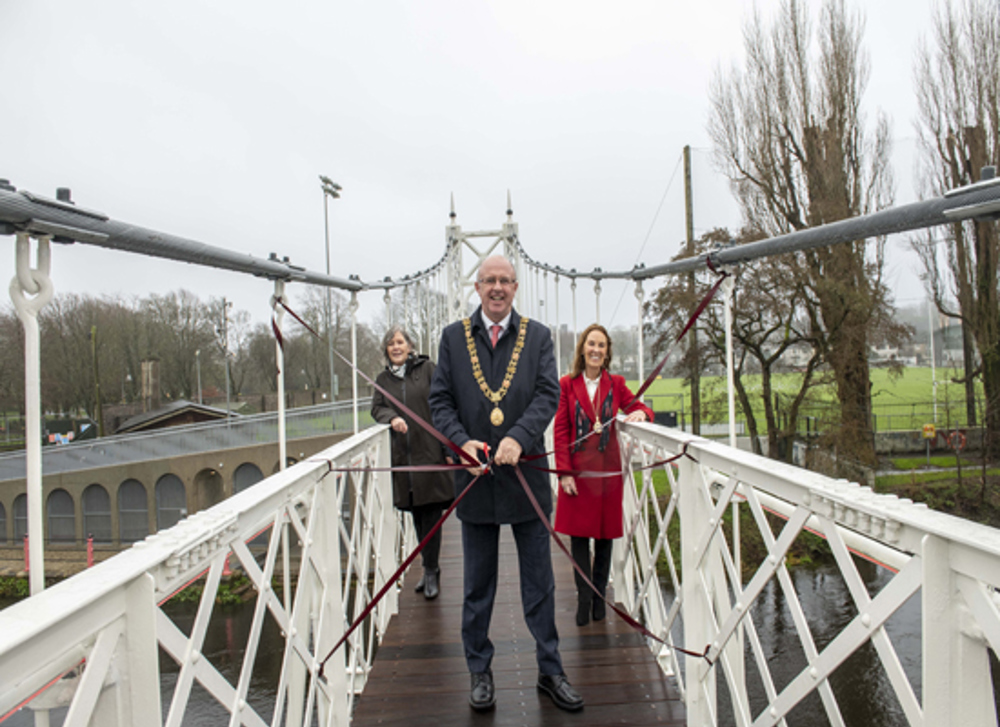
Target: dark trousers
x=480, y=545
x=424, y=518
x=601, y=570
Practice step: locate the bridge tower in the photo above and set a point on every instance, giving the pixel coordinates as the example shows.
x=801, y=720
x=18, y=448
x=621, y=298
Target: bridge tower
x=461, y=278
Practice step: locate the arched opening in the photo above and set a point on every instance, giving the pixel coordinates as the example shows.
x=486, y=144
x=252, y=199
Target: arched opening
x=133, y=511
x=171, y=501
x=3, y=524
x=20, y=518
x=96, y=514
x=62, y=517
x=246, y=475
x=208, y=489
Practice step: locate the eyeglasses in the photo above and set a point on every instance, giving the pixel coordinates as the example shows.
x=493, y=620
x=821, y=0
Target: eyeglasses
x=505, y=282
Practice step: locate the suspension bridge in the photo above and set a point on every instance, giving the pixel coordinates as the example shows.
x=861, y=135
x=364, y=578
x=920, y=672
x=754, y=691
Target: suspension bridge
x=88, y=650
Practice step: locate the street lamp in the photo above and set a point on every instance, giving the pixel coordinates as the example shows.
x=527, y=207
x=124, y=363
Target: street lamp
x=330, y=189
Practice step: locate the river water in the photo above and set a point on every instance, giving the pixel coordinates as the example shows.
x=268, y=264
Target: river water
x=860, y=684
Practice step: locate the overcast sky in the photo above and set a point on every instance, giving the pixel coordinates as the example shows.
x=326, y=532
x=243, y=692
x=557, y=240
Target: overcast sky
x=212, y=119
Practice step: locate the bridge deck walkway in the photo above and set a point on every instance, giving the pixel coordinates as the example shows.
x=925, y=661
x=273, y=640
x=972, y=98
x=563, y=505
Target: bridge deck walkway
x=420, y=676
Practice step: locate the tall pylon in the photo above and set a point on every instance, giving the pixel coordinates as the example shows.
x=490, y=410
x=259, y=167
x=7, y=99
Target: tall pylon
x=462, y=276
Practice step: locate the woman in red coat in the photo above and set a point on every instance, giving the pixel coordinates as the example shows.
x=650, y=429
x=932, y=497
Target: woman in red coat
x=585, y=441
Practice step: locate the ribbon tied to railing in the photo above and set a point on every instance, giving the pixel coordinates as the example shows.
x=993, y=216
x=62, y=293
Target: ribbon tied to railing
x=482, y=468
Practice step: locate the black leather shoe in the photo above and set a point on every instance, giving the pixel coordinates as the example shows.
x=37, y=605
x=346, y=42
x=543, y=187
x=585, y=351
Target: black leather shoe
x=483, y=697
x=558, y=687
x=420, y=584
x=431, y=584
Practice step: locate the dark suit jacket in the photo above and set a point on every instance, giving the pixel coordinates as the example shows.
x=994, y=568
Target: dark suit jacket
x=461, y=411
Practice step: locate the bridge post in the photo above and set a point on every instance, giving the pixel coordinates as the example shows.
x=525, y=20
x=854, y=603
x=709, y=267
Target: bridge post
x=695, y=512
x=36, y=282
x=139, y=696
x=555, y=327
x=640, y=351
x=279, y=354
x=956, y=679
x=328, y=614
x=354, y=357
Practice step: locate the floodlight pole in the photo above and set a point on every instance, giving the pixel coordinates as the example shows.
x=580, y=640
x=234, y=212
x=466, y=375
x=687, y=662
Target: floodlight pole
x=330, y=189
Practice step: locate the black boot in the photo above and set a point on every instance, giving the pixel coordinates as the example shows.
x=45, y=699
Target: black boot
x=583, y=607
x=420, y=584
x=431, y=583
x=602, y=569
x=580, y=548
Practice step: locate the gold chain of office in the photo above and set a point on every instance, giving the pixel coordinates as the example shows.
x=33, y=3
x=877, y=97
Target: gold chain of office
x=496, y=416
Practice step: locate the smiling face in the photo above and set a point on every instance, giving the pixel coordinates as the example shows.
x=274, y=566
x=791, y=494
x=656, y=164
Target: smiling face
x=496, y=285
x=397, y=349
x=595, y=352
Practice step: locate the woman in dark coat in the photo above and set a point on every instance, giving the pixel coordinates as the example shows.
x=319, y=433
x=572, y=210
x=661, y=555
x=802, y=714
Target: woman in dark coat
x=425, y=495
x=585, y=440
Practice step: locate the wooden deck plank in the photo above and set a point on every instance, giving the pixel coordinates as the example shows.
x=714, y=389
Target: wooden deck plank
x=420, y=676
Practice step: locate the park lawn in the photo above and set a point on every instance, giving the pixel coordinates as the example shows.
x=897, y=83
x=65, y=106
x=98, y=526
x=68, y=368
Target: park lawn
x=892, y=396
x=914, y=463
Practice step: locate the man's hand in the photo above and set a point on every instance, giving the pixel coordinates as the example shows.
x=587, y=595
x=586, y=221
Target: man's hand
x=472, y=448
x=508, y=452
x=398, y=424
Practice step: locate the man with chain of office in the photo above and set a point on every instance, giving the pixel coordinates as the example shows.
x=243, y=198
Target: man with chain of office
x=495, y=390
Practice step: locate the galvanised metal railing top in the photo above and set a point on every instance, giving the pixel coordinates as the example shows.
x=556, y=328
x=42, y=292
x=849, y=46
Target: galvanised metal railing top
x=949, y=565
x=62, y=219
x=187, y=439
x=92, y=642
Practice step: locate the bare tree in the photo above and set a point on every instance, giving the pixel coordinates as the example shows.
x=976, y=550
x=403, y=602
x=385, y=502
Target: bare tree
x=790, y=133
x=958, y=89
x=769, y=328
x=418, y=309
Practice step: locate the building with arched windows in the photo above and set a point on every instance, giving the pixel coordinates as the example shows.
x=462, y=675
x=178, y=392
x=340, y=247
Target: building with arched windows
x=120, y=504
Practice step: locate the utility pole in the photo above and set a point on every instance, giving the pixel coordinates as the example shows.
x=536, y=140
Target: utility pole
x=223, y=331
x=694, y=373
x=98, y=409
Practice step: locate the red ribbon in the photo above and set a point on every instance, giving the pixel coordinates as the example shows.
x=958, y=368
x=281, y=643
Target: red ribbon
x=471, y=461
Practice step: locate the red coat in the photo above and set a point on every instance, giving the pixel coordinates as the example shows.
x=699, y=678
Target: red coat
x=596, y=510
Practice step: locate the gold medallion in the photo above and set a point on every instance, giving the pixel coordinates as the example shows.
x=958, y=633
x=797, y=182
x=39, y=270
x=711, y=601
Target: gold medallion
x=494, y=397
x=597, y=426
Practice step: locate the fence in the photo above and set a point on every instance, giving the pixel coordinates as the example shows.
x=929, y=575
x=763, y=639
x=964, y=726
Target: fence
x=678, y=518
x=91, y=644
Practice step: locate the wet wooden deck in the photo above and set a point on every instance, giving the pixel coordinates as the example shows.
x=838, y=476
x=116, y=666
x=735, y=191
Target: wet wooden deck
x=420, y=676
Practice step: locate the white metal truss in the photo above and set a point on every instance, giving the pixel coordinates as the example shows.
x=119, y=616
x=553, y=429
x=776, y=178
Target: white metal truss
x=953, y=564
x=91, y=642
x=461, y=275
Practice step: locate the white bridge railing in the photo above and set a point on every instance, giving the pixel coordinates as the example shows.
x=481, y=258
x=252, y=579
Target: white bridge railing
x=951, y=565
x=92, y=643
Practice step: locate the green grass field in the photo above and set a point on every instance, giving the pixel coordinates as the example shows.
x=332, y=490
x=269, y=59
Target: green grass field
x=903, y=402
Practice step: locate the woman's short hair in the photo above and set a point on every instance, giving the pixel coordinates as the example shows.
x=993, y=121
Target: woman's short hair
x=578, y=362
x=391, y=334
